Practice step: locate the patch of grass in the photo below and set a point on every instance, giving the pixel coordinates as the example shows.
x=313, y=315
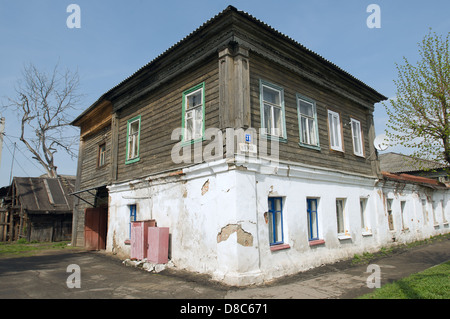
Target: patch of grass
x=433, y=283
x=24, y=248
x=367, y=258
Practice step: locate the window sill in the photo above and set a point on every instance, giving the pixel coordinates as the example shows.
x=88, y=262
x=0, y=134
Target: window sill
x=279, y=247
x=367, y=233
x=133, y=160
x=344, y=237
x=316, y=242
x=127, y=242
x=338, y=151
x=274, y=137
x=192, y=141
x=312, y=147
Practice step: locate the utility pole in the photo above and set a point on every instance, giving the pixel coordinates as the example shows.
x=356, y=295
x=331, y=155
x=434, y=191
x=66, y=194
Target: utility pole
x=12, y=164
x=2, y=130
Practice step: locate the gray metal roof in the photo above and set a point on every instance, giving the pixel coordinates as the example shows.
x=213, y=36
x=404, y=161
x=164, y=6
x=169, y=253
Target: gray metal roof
x=230, y=9
x=44, y=194
x=400, y=163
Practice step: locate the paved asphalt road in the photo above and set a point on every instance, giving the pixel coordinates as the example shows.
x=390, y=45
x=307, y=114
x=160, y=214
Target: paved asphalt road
x=105, y=277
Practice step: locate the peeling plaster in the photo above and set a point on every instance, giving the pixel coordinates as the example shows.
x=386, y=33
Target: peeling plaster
x=243, y=238
x=205, y=187
x=272, y=192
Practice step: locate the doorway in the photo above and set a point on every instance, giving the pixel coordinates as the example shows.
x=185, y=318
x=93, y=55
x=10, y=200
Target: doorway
x=95, y=228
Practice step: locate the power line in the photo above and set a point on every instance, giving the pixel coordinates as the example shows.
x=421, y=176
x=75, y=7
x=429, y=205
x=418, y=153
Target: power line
x=12, y=164
x=15, y=160
x=25, y=156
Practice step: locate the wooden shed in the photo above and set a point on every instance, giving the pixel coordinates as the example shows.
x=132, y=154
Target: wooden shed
x=38, y=209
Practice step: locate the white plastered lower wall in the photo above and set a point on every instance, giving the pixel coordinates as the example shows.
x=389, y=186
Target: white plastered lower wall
x=215, y=213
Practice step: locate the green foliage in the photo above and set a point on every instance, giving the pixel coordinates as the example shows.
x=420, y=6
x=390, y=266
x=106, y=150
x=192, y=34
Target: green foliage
x=419, y=116
x=24, y=248
x=433, y=283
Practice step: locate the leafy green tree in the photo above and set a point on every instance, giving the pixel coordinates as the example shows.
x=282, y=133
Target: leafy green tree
x=419, y=116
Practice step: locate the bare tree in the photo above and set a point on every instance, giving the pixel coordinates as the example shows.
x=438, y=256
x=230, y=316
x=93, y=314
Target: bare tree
x=43, y=104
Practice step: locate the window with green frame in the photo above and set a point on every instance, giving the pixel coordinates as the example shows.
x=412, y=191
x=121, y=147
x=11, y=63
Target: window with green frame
x=273, y=122
x=307, y=122
x=193, y=121
x=133, y=137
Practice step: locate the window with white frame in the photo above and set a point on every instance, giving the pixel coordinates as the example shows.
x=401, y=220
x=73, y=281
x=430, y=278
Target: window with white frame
x=389, y=202
x=435, y=207
x=364, y=218
x=425, y=211
x=133, y=136
x=194, y=113
x=444, y=220
x=334, y=126
x=272, y=110
x=340, y=205
x=307, y=121
x=357, y=137
x=403, y=212
x=101, y=160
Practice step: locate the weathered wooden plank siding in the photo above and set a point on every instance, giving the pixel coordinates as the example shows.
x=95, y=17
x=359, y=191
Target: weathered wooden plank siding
x=325, y=99
x=161, y=113
x=91, y=174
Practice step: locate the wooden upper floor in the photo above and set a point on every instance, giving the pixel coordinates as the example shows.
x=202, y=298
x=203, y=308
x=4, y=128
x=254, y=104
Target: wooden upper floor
x=233, y=72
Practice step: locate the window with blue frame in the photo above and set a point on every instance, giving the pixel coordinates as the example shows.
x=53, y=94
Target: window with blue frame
x=275, y=220
x=313, y=228
x=132, y=217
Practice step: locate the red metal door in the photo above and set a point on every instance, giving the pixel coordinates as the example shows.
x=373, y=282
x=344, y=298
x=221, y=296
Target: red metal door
x=139, y=235
x=95, y=223
x=158, y=245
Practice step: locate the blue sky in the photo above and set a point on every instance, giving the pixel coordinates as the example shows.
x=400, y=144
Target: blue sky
x=118, y=37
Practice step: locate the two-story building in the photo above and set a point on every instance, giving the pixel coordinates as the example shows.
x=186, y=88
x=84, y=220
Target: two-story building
x=256, y=152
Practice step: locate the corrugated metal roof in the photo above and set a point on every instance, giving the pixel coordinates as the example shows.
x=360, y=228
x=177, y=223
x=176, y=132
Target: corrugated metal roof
x=397, y=163
x=246, y=15
x=43, y=194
